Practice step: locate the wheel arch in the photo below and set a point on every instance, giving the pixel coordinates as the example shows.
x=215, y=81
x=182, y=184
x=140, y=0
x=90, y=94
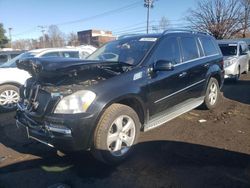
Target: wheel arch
x=132, y=101
x=216, y=72
x=11, y=83
x=217, y=77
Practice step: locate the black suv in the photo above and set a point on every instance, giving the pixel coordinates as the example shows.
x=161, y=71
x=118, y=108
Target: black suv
x=133, y=84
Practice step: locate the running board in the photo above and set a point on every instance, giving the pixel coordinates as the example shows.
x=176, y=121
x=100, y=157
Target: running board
x=173, y=112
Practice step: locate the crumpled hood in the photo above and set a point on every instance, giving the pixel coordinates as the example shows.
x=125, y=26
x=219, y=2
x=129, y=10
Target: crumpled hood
x=57, y=67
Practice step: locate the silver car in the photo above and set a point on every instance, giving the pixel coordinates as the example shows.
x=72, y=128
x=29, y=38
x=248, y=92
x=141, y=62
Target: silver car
x=236, y=58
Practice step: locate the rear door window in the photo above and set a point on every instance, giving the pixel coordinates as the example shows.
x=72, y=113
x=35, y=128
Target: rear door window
x=3, y=58
x=189, y=48
x=71, y=54
x=168, y=50
x=208, y=46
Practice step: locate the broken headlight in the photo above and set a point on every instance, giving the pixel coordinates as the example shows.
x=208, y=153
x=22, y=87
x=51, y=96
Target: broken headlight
x=77, y=102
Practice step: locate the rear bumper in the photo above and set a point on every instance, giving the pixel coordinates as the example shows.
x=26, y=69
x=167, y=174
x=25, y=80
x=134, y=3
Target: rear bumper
x=64, y=132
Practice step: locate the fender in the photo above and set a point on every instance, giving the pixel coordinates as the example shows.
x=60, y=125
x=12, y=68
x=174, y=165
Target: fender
x=215, y=71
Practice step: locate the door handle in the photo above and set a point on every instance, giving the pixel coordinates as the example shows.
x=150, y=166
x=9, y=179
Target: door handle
x=183, y=74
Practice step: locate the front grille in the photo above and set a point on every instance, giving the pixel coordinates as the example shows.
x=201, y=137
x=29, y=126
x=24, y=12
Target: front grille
x=35, y=99
x=42, y=101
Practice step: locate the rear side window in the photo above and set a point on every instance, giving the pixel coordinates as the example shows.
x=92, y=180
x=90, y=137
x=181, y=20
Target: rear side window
x=83, y=55
x=168, y=50
x=208, y=46
x=189, y=48
x=3, y=58
x=243, y=48
x=13, y=55
x=70, y=54
x=51, y=54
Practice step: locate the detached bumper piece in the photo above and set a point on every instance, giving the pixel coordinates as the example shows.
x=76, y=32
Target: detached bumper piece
x=49, y=134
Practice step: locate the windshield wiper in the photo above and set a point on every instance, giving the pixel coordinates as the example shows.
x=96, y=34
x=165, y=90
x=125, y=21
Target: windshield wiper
x=127, y=64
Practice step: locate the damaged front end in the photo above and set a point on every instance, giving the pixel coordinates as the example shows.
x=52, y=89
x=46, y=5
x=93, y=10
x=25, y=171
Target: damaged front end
x=54, y=78
x=54, y=101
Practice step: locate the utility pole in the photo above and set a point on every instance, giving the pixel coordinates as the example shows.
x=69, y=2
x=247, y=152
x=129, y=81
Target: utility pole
x=10, y=37
x=42, y=27
x=148, y=4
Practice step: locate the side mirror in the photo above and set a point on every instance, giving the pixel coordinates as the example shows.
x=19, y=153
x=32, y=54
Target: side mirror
x=163, y=65
x=243, y=53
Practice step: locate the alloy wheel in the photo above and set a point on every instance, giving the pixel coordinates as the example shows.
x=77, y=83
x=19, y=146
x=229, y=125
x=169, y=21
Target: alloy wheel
x=8, y=99
x=213, y=93
x=121, y=135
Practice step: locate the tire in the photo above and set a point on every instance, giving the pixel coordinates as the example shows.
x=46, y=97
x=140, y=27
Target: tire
x=9, y=96
x=237, y=76
x=111, y=135
x=247, y=69
x=212, y=96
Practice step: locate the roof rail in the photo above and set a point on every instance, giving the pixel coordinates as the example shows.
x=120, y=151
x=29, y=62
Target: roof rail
x=184, y=30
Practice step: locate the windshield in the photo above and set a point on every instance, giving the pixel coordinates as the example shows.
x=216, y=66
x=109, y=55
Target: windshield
x=128, y=50
x=228, y=50
x=12, y=63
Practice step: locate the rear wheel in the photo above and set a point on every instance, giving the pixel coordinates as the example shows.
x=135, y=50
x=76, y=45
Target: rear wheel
x=212, y=94
x=116, y=133
x=9, y=96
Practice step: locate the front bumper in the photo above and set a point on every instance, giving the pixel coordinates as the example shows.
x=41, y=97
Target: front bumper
x=231, y=71
x=64, y=132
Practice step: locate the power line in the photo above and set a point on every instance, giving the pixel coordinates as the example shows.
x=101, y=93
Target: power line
x=130, y=27
x=124, y=27
x=126, y=30
x=33, y=29
x=121, y=9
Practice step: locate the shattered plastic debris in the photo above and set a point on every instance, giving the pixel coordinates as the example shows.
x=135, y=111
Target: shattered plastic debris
x=2, y=158
x=239, y=131
x=202, y=121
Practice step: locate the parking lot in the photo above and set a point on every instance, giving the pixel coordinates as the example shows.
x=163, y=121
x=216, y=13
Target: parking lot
x=198, y=149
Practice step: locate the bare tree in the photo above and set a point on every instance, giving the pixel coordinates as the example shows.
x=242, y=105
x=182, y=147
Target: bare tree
x=222, y=18
x=245, y=16
x=164, y=23
x=73, y=39
x=56, y=37
x=22, y=44
x=162, y=26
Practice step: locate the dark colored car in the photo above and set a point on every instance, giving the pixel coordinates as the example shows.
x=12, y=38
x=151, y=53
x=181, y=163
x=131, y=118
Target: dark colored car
x=129, y=85
x=8, y=55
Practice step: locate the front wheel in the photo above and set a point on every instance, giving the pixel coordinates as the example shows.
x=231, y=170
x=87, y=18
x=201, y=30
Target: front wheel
x=247, y=68
x=212, y=94
x=237, y=76
x=116, y=133
x=9, y=96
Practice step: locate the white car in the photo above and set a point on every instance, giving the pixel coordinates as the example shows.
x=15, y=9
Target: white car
x=11, y=78
x=236, y=58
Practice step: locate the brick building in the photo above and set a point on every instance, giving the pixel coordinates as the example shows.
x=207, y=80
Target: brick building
x=95, y=37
